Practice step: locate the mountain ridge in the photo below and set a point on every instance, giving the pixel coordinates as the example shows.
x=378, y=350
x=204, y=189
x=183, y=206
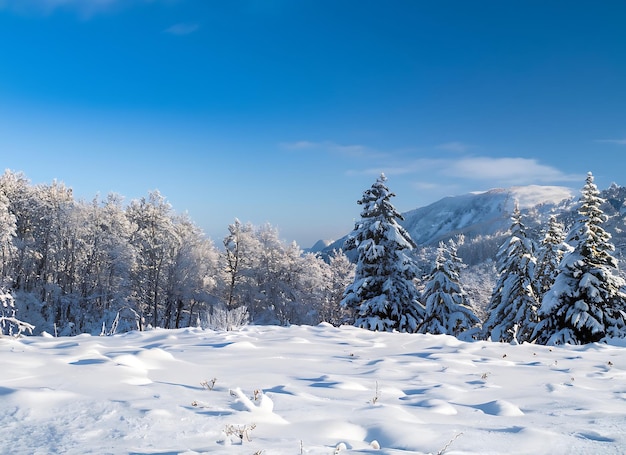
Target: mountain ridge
x=475, y=214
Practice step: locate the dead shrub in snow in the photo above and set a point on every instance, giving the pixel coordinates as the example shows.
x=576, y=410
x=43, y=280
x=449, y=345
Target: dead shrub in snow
x=221, y=318
x=240, y=431
x=209, y=385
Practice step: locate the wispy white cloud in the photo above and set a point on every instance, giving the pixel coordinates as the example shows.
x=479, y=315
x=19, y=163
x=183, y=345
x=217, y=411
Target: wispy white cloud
x=454, y=146
x=613, y=141
x=435, y=172
x=182, y=29
x=516, y=171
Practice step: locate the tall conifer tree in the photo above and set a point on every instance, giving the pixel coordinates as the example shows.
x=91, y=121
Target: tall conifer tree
x=553, y=247
x=513, y=306
x=383, y=296
x=585, y=303
x=448, y=308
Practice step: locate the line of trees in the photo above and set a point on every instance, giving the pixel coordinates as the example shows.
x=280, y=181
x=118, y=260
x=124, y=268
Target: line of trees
x=103, y=266
x=567, y=290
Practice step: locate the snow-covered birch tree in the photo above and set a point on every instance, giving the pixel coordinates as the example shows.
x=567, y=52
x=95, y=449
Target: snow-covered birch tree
x=586, y=302
x=513, y=307
x=383, y=296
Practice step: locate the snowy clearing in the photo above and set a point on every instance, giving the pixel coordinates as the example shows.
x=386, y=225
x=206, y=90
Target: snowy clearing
x=307, y=390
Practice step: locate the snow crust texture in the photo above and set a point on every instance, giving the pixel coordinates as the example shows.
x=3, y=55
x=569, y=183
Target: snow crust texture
x=309, y=390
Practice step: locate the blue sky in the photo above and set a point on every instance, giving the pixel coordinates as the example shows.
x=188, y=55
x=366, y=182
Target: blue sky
x=284, y=111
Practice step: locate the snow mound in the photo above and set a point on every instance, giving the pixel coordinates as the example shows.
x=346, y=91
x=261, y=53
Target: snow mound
x=438, y=406
x=500, y=408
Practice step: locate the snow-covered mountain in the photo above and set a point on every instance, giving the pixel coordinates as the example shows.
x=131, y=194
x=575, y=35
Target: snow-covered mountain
x=320, y=245
x=484, y=213
x=481, y=214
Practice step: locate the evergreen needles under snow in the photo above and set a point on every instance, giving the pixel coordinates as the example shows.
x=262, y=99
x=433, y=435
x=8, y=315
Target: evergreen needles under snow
x=513, y=306
x=448, y=308
x=549, y=256
x=382, y=296
x=585, y=303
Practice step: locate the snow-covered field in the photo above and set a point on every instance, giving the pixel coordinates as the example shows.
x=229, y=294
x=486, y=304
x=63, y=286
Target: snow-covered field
x=307, y=390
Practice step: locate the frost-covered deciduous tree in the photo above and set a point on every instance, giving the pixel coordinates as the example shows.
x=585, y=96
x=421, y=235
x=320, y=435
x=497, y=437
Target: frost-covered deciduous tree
x=513, y=306
x=340, y=275
x=478, y=281
x=7, y=236
x=383, y=296
x=272, y=297
x=105, y=273
x=57, y=242
x=49, y=231
x=289, y=283
x=154, y=240
x=60, y=255
x=191, y=273
x=278, y=283
x=586, y=302
x=294, y=282
x=9, y=324
x=549, y=256
x=240, y=251
x=103, y=268
x=24, y=205
x=312, y=279
x=448, y=308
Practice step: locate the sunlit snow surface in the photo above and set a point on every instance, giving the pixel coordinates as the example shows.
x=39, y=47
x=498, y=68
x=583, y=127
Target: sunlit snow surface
x=309, y=390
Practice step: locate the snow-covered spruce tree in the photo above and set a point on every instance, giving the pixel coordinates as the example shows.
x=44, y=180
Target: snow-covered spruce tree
x=513, y=307
x=383, y=296
x=552, y=249
x=585, y=303
x=448, y=308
